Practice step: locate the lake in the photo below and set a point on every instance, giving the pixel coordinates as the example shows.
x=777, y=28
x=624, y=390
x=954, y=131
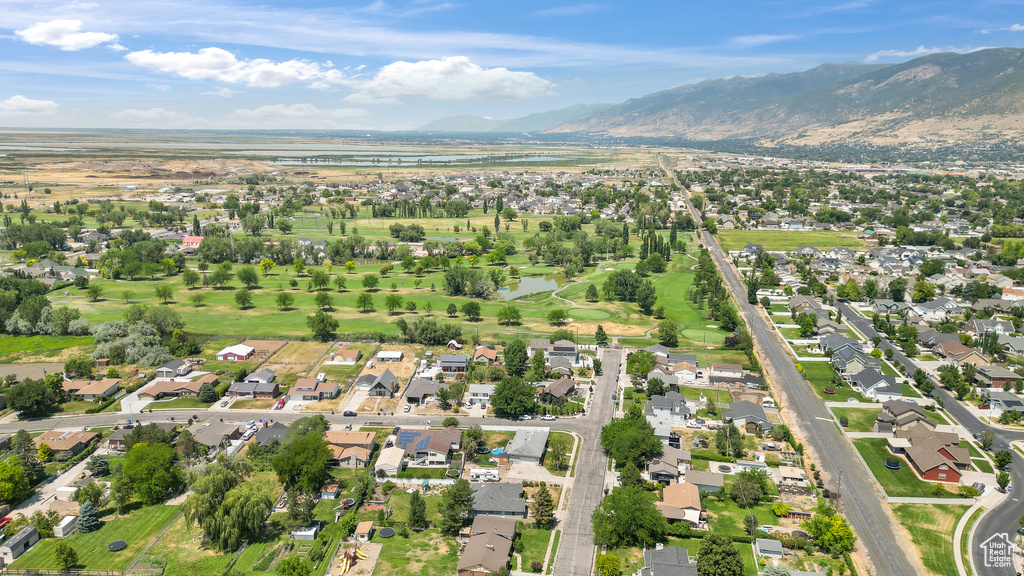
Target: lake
x=529, y=285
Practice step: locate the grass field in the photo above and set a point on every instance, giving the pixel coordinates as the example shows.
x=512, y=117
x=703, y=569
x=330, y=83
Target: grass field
x=423, y=554
x=819, y=375
x=44, y=348
x=726, y=516
x=183, y=556
x=931, y=528
x=900, y=483
x=535, y=546
x=138, y=529
x=787, y=240
x=860, y=419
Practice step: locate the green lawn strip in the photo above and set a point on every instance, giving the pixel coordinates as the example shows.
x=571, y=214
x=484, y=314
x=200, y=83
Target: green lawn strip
x=180, y=403
x=819, y=375
x=785, y=240
x=716, y=395
x=939, y=417
x=860, y=419
x=898, y=483
x=547, y=461
x=418, y=555
x=965, y=541
x=14, y=349
x=909, y=391
x=983, y=465
x=790, y=333
x=970, y=448
x=931, y=529
x=535, y=546
x=137, y=529
x=889, y=370
x=554, y=551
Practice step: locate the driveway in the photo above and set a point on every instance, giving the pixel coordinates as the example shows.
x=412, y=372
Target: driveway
x=46, y=492
x=520, y=472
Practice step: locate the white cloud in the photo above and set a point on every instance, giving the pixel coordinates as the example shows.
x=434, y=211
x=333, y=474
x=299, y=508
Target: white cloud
x=155, y=117
x=223, y=66
x=755, y=40
x=450, y=78
x=65, y=34
x=574, y=10
x=298, y=112
x=1011, y=28
x=19, y=105
x=160, y=87
x=223, y=93
x=919, y=51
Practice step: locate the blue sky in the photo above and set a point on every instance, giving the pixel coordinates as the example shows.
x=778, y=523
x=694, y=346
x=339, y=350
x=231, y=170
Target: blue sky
x=398, y=64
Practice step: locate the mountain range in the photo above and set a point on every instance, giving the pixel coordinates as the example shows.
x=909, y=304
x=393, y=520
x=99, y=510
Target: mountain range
x=937, y=99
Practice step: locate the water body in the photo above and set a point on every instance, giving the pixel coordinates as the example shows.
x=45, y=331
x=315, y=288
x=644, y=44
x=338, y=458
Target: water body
x=413, y=160
x=529, y=285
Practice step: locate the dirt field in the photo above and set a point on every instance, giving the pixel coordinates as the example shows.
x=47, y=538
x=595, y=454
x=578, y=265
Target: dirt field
x=36, y=370
x=264, y=348
x=296, y=352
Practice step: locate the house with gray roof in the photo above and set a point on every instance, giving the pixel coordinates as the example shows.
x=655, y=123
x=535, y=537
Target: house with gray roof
x=667, y=561
x=747, y=415
x=1005, y=402
x=498, y=499
x=420, y=390
x=877, y=386
x=18, y=544
x=268, y=434
x=527, y=446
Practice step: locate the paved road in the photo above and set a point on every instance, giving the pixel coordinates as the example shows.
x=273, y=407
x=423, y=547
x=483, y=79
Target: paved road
x=575, y=555
x=863, y=505
x=1002, y=518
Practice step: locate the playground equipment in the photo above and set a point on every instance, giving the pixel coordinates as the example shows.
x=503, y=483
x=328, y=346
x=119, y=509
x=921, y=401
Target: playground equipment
x=349, y=558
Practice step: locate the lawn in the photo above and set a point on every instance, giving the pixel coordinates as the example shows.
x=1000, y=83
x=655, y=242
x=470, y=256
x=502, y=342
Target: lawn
x=982, y=465
x=819, y=375
x=44, y=348
x=423, y=554
x=548, y=463
x=180, y=403
x=253, y=404
x=859, y=419
x=732, y=240
x=726, y=516
x=183, y=556
x=931, y=528
x=138, y=529
x=716, y=395
x=535, y=546
x=964, y=541
x=900, y=483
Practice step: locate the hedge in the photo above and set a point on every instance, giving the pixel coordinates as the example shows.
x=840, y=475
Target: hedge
x=710, y=455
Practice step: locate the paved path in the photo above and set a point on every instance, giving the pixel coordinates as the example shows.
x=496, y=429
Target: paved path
x=860, y=501
x=575, y=556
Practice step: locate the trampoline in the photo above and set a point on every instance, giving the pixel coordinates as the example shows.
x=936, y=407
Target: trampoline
x=117, y=546
x=386, y=532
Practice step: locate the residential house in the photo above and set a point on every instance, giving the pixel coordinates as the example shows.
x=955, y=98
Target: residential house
x=898, y=414
x=1013, y=345
x=667, y=561
x=992, y=376
x=747, y=415
x=539, y=344
x=214, y=435
x=528, y=446
x=564, y=349
x=801, y=303
x=484, y=554
x=481, y=394
x=684, y=372
x=1005, y=402
x=726, y=370
x=65, y=444
x=665, y=412
x=502, y=526
x=383, y=385
x=312, y=389
x=236, y=353
x=264, y=390
x=848, y=360
x=498, y=499
x=454, y=363
x=173, y=389
x=931, y=337
x=667, y=467
x=270, y=433
x=957, y=354
x=261, y=376
x=348, y=356
x=934, y=456
x=876, y=386
x=560, y=365
x=938, y=308
x=768, y=548
x=419, y=390
x=705, y=480
x=485, y=355
x=561, y=388
x=681, y=502
x=978, y=327
x=429, y=447
x=832, y=342
x=116, y=440
x=189, y=244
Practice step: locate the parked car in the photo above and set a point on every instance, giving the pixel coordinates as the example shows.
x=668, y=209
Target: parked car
x=407, y=408
x=348, y=413
x=548, y=417
x=526, y=417
x=223, y=403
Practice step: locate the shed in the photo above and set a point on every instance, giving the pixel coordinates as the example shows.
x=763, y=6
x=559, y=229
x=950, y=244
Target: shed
x=768, y=548
x=12, y=549
x=364, y=531
x=66, y=527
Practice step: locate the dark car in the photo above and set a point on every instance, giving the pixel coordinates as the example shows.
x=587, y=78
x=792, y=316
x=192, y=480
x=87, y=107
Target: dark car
x=348, y=413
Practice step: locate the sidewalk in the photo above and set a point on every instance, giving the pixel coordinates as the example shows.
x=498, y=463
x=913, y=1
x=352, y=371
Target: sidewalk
x=987, y=501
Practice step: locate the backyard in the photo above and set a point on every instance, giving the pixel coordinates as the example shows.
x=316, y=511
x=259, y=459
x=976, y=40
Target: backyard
x=859, y=419
x=931, y=528
x=898, y=483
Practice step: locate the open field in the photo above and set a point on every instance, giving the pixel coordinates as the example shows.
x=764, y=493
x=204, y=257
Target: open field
x=784, y=240
x=819, y=375
x=860, y=419
x=138, y=529
x=931, y=528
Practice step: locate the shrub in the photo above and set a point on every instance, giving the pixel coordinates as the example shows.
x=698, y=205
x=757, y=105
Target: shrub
x=536, y=566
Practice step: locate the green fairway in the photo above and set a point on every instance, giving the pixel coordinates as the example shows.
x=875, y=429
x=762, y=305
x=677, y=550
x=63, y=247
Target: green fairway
x=931, y=528
x=860, y=419
x=899, y=483
x=785, y=240
x=138, y=529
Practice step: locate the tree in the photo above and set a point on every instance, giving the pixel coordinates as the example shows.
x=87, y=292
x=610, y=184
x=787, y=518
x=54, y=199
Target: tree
x=98, y=466
x=64, y=556
x=729, y=442
x=364, y=302
x=898, y=289
x=284, y=300
x=557, y=316
x=629, y=475
x=456, y=502
x=226, y=508
x=513, y=397
x=392, y=302
x=417, y=512
x=14, y=482
x=294, y=566
x=94, y=292
x=284, y=226
x=45, y=453
x=1003, y=458
x=32, y=398
x=197, y=299
x=509, y=315
x=91, y=492
x=559, y=448
x=247, y=275
x=668, y=333
x=543, y=509
x=750, y=524
x=608, y=565
x=1003, y=480
x=322, y=324
x=750, y=487
x=829, y=530
x=630, y=438
x=164, y=292
x=471, y=310
x=592, y=295
x=370, y=281
x=640, y=363
x=340, y=282
x=515, y=357
x=88, y=517
x=452, y=310
x=627, y=517
x=717, y=556
x=600, y=335
x=646, y=296
x=243, y=297
x=320, y=279
x=266, y=265
x=986, y=439
x=150, y=471
x=302, y=464
x=207, y=393
x=324, y=301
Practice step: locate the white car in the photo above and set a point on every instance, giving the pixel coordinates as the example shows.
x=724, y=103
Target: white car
x=526, y=417
x=548, y=417
x=407, y=408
